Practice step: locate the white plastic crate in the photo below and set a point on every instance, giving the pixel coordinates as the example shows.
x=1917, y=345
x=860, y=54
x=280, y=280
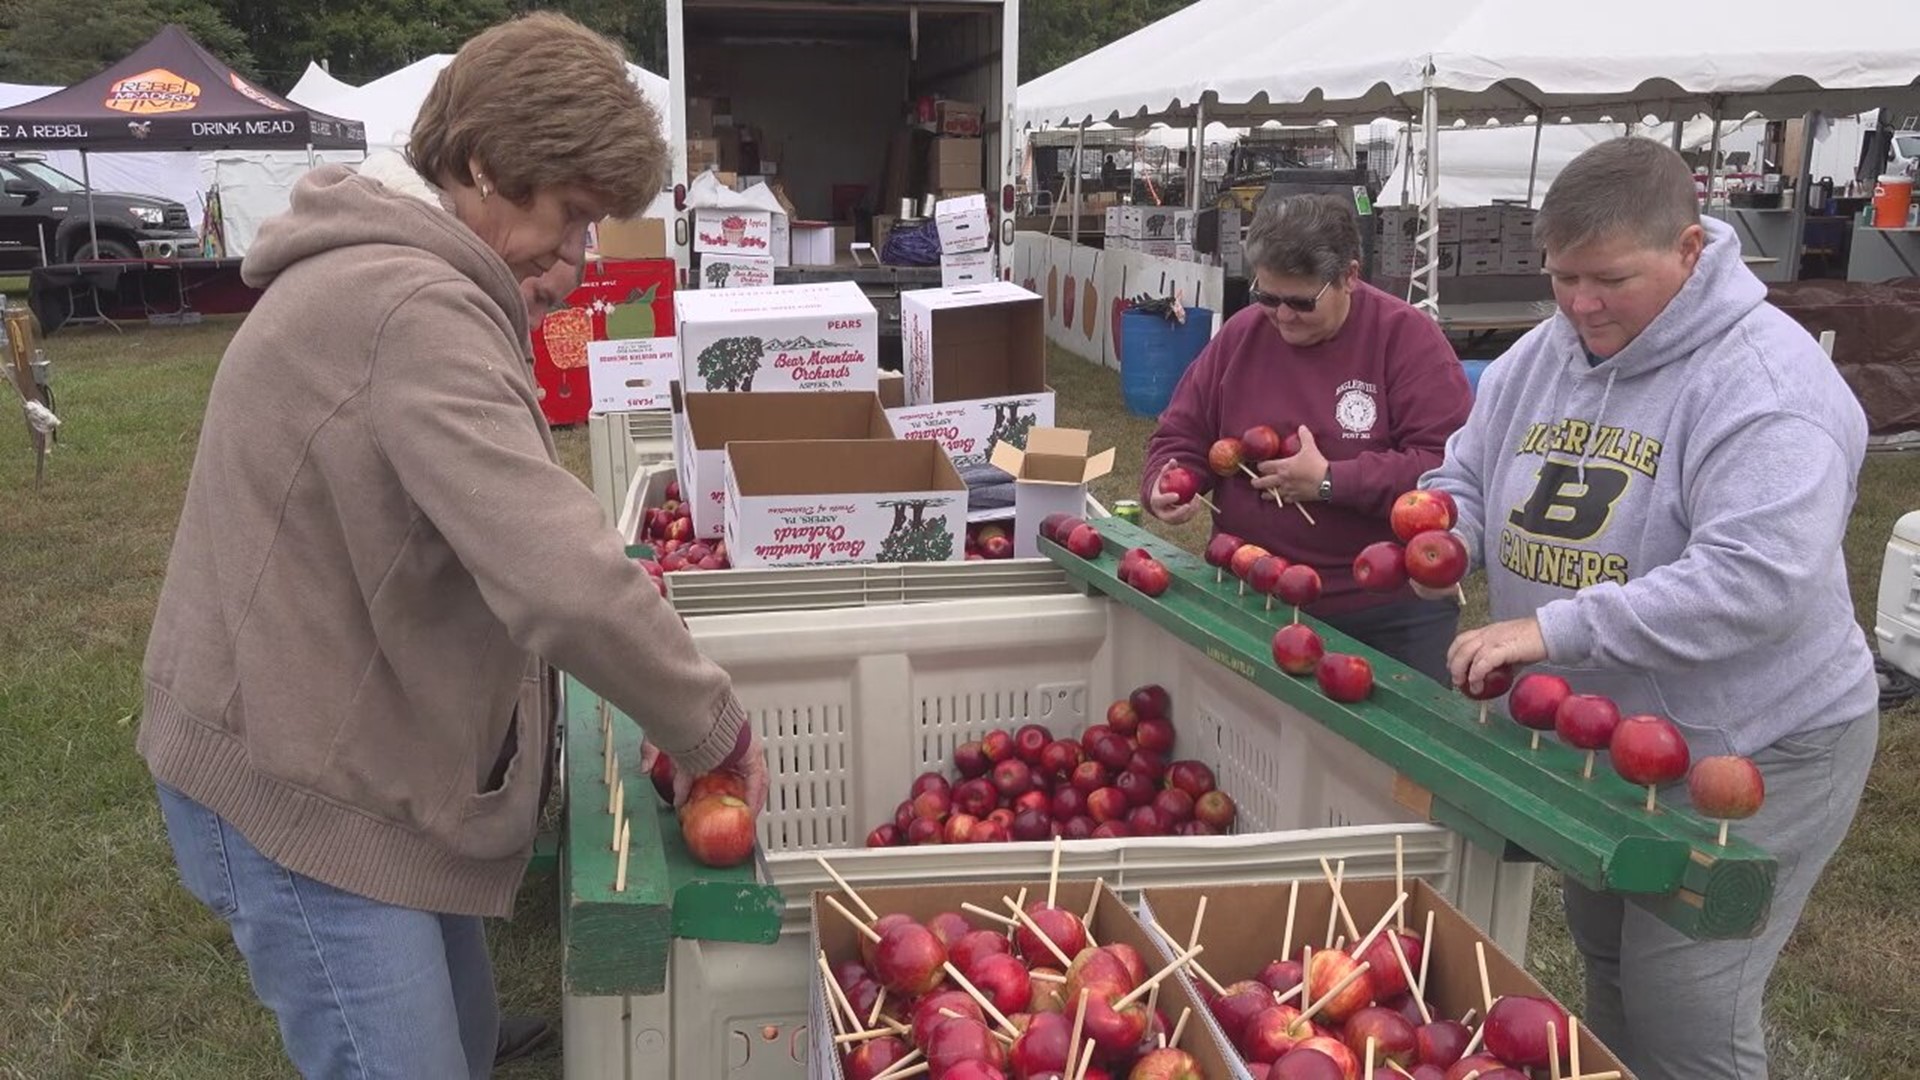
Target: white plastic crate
x=621, y=444
x=853, y=703
x=816, y=588
x=1896, y=624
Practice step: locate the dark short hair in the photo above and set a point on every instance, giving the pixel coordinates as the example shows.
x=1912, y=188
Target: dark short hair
x=541, y=101
x=1622, y=187
x=1305, y=236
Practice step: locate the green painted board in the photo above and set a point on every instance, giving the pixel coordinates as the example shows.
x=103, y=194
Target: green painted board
x=1484, y=779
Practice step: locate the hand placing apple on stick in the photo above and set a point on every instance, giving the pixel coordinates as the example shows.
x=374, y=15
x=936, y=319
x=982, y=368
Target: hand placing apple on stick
x=1291, y=468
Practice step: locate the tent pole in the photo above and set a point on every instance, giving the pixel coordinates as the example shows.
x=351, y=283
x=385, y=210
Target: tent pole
x=1796, y=246
x=1073, y=205
x=310, y=162
x=93, y=225
x=1679, y=134
x=1533, y=168
x=1406, y=164
x=1196, y=166
x=1427, y=274
x=1713, y=154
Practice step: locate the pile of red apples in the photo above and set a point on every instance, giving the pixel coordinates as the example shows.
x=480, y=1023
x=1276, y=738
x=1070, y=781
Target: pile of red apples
x=1427, y=553
x=1117, y=779
x=669, y=529
x=988, y=540
x=715, y=821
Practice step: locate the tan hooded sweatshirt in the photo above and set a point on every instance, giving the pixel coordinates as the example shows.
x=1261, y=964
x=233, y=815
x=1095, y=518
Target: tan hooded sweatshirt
x=377, y=540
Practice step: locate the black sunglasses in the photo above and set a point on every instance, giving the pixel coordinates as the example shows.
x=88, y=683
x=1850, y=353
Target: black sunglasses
x=1302, y=304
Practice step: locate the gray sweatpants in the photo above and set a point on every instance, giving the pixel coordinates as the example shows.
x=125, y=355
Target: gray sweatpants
x=1691, y=1010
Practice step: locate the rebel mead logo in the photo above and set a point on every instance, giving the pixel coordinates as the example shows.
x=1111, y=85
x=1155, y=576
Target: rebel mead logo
x=155, y=90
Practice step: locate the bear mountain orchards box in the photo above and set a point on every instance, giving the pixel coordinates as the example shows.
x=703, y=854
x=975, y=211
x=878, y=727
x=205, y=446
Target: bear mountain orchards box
x=976, y=368
x=816, y=336
x=704, y=424
x=835, y=502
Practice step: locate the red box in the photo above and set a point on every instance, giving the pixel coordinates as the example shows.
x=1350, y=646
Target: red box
x=627, y=298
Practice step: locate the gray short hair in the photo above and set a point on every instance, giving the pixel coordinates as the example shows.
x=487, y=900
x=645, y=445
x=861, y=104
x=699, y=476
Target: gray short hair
x=1305, y=236
x=1623, y=187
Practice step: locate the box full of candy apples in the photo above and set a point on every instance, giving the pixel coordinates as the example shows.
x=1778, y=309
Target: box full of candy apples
x=1041, y=981
x=1364, y=980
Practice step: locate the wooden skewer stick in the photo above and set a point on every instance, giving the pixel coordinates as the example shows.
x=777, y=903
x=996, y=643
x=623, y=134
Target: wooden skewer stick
x=1179, y=1027
x=872, y=915
x=1306, y=977
x=1282, y=999
x=838, y=998
x=1406, y=970
x=1395, y=1066
x=1154, y=980
x=1093, y=905
x=981, y=999
x=1474, y=1075
x=1339, y=909
x=1205, y=976
x=1400, y=871
x=1001, y=1035
x=1358, y=970
x=1303, y=513
x=626, y=845
x=1553, y=1051
x=1046, y=977
x=1206, y=502
x=833, y=1001
x=1086, y=1060
x=879, y=1002
x=1486, y=988
x=1723, y=833
x=1573, y=1044
x=1652, y=802
x=894, y=1070
x=1367, y=1071
x=1467, y=1020
x=923, y=1067
x=1021, y=904
x=1398, y=906
x=1293, y=897
x=1426, y=955
x=619, y=807
x=990, y=916
x=608, y=767
x=1340, y=943
x=1474, y=1043
x=864, y=1036
x=1199, y=913
x=1053, y=874
x=613, y=772
x=837, y=906
x=1052, y=946
x=1079, y=1023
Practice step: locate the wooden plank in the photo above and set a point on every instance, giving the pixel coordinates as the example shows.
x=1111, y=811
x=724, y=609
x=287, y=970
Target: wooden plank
x=1484, y=780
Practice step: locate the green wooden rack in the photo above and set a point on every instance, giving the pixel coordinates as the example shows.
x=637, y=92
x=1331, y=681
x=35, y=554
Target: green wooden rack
x=1483, y=780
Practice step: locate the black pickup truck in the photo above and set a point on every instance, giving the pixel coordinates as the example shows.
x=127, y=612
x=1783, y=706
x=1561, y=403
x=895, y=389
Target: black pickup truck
x=43, y=218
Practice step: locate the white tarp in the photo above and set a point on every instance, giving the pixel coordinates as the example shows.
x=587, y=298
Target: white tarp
x=1489, y=58
x=318, y=89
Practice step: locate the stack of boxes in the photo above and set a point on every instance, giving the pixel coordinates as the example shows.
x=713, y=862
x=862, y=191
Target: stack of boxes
x=976, y=368
x=1518, y=253
x=1475, y=241
x=966, y=241
x=956, y=160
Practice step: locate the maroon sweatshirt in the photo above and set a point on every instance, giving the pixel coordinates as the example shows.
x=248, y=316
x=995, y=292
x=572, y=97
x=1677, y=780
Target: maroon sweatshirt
x=1381, y=397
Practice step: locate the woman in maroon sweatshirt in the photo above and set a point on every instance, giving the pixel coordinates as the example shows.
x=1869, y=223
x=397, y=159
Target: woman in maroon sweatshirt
x=1370, y=385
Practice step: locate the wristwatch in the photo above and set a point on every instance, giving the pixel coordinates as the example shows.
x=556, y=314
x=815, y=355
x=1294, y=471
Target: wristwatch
x=1326, y=486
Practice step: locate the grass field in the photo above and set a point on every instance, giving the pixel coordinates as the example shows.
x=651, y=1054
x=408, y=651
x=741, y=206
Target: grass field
x=111, y=970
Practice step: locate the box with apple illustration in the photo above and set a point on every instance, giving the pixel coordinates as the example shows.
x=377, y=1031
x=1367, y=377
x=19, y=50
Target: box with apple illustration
x=842, y=501
x=976, y=368
x=815, y=336
x=703, y=425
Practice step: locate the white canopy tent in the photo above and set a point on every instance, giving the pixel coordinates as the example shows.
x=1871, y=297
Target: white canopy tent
x=318, y=89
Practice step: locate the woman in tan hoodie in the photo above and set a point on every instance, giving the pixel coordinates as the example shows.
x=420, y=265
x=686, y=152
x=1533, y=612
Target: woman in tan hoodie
x=377, y=551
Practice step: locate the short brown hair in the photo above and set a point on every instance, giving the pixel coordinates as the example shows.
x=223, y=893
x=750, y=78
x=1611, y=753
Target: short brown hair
x=1629, y=186
x=1305, y=236
x=542, y=101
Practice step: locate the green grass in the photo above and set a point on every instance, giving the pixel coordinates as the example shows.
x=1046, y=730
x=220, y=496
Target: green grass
x=111, y=970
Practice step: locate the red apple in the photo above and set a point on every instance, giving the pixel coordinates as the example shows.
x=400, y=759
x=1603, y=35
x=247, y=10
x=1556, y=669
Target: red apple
x=1112, y=830
x=1137, y=787
x=1085, y=542
x=1586, y=721
x=958, y=1041
x=1421, y=511
x=1036, y=800
x=929, y=1012
x=1441, y=1043
x=1226, y=456
x=1281, y=976
x=1324, y=972
x=1060, y=758
x=1244, y=558
x=949, y=927
x=1175, y=806
x=1334, y=1049
x=909, y=959
x=1171, y=1063
x=903, y=816
x=1344, y=678
x=873, y=1057
x=1483, y=1064
x=1516, y=1030
x=1151, y=702
x=1050, y=526
x=990, y=831
x=1648, y=750
x=1042, y=1048
x=1381, y=567
x=1155, y=736
x=957, y=828
x=973, y=1070
x=1030, y=741
x=975, y=946
x=1061, y=926
x=1307, y=1064
x=1067, y=803
x=1497, y=682
x=1260, y=443
x=1180, y=482
x=698, y=552
x=884, y=836
x=1297, y=649
x=998, y=746
x=969, y=760
x=718, y=782
x=1195, y=828
x=1392, y=1036
x=1384, y=964
x=1108, y=804
x=1146, y=821
x=977, y=797
x=924, y=831
x=1437, y=560
x=932, y=805
x=1093, y=734
x=718, y=830
x=1149, y=764
x=1049, y=996
x=1122, y=718
x=1215, y=810
x=1114, y=1032
x=1191, y=777
x=1220, y=549
x=1089, y=777
x=1113, y=751
x=1726, y=788
x=1263, y=576
x=997, y=547
x=1535, y=700
x=1078, y=827
x=1013, y=778
x=1131, y=559
x=1151, y=577
x=1271, y=1033
x=1032, y=825
x=1004, y=980
x=1242, y=1002
x=1291, y=444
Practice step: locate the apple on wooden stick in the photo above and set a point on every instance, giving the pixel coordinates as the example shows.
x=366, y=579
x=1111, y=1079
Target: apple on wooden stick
x=1492, y=688
x=1219, y=554
x=1726, y=788
x=1649, y=751
x=1535, y=700
x=1586, y=722
x=1185, y=486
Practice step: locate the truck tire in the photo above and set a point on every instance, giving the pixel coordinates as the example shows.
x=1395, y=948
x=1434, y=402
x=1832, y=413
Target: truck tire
x=107, y=249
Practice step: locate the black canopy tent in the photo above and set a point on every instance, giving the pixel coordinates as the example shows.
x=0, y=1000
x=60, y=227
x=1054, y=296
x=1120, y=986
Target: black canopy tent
x=171, y=94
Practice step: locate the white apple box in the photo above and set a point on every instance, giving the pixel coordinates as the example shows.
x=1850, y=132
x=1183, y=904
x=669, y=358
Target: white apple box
x=816, y=336
x=735, y=272
x=969, y=429
x=636, y=373
x=972, y=342
x=719, y=230
x=836, y=502
x=708, y=423
x=1049, y=477
x=971, y=268
x=964, y=224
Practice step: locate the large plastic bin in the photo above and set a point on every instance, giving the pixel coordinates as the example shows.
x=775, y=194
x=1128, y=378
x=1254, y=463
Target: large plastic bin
x=852, y=703
x=1155, y=353
x=620, y=445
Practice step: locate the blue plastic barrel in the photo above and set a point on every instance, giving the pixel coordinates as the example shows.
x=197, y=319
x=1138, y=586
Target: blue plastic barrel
x=1154, y=353
x=1474, y=368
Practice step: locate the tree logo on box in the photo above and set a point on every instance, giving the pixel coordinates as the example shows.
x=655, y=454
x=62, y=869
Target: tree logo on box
x=1012, y=420
x=914, y=537
x=730, y=363
x=717, y=274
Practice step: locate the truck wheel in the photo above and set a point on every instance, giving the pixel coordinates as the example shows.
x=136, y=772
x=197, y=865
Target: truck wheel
x=106, y=249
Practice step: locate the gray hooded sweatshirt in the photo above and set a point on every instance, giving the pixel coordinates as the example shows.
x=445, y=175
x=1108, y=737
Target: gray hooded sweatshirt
x=1673, y=515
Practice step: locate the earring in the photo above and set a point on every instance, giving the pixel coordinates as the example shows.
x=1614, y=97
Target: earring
x=484, y=189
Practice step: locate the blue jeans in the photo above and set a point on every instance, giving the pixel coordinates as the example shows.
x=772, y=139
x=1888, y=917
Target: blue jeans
x=363, y=990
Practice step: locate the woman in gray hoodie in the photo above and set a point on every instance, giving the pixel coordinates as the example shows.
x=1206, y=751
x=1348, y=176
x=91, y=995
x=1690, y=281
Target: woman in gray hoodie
x=1657, y=482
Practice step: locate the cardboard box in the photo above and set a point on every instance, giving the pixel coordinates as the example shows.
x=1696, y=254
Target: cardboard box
x=959, y=119
x=1184, y=253
x=955, y=164
x=705, y=423
x=1159, y=249
x=816, y=336
x=735, y=272
x=969, y=430
x=700, y=116
x=1049, y=477
x=1157, y=223
x=893, y=390
x=1245, y=926
x=1516, y=223
x=1520, y=262
x=703, y=153
x=1112, y=924
x=1479, y=258
x=811, y=243
x=1449, y=260
x=969, y=268
x=733, y=232
x=976, y=342
x=837, y=502
x=1480, y=223
x=635, y=373
x=964, y=224
x=631, y=238
x=1132, y=221
x=1114, y=228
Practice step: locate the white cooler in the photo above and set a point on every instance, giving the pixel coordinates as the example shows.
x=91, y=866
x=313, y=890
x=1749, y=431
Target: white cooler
x=1896, y=624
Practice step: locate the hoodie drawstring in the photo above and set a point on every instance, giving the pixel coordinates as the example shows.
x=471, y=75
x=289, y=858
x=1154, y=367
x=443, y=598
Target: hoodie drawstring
x=1593, y=440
